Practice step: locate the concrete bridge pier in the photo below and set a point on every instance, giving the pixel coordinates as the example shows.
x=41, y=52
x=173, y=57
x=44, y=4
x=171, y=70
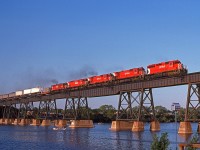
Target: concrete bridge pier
x=61, y=123
x=2, y=121
x=35, y=122
x=119, y=125
x=24, y=122
x=155, y=126
x=16, y=121
x=185, y=128
x=138, y=126
x=46, y=122
x=8, y=121
x=81, y=124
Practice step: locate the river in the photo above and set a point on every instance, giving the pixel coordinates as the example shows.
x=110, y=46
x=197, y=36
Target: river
x=97, y=138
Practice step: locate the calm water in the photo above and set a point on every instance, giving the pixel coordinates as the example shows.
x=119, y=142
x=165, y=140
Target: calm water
x=97, y=138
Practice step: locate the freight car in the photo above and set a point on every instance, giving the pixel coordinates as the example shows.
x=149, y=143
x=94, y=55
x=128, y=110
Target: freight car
x=33, y=90
x=4, y=96
x=19, y=93
x=23, y=92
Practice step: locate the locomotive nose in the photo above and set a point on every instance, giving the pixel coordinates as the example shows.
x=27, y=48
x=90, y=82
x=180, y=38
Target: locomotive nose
x=148, y=71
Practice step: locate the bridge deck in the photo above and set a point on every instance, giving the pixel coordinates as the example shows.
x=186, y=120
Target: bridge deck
x=108, y=89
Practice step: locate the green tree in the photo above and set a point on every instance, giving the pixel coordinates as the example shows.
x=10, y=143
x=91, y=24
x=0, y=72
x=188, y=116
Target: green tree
x=160, y=110
x=108, y=111
x=161, y=143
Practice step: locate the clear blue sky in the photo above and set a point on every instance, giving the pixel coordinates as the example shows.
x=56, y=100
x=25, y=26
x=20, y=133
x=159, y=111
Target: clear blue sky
x=46, y=40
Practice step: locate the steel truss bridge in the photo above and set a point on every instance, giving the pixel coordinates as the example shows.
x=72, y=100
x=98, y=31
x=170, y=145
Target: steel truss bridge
x=131, y=93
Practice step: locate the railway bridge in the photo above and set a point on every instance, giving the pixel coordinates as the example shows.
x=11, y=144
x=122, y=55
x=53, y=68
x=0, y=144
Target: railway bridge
x=131, y=93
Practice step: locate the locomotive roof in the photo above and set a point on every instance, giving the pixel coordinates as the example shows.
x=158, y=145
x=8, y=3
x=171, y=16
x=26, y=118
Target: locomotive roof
x=166, y=62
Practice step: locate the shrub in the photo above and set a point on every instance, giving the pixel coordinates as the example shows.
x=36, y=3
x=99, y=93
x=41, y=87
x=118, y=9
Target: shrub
x=161, y=143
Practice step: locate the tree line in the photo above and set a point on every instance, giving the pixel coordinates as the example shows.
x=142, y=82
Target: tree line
x=107, y=113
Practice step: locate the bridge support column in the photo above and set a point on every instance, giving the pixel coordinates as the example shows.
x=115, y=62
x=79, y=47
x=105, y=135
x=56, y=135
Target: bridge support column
x=2, y=120
x=35, y=122
x=125, y=114
x=8, y=114
x=8, y=121
x=24, y=122
x=146, y=109
x=77, y=110
x=192, y=105
x=16, y=121
x=23, y=114
x=47, y=110
x=81, y=124
x=155, y=126
x=46, y=123
x=185, y=128
x=121, y=125
x=138, y=126
x=61, y=123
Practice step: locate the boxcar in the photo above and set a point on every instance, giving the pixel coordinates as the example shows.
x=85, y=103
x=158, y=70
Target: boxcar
x=12, y=94
x=19, y=93
x=5, y=96
x=27, y=91
x=36, y=90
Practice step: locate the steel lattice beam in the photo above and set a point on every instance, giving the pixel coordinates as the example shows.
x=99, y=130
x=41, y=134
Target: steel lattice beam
x=193, y=103
x=76, y=108
x=46, y=108
x=127, y=99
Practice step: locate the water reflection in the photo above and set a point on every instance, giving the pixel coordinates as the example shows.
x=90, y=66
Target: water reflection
x=100, y=137
x=184, y=137
x=79, y=137
x=123, y=139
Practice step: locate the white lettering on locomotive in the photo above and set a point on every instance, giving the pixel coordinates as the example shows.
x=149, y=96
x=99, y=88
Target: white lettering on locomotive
x=162, y=66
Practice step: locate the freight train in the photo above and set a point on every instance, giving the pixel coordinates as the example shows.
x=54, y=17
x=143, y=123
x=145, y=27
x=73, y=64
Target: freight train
x=163, y=69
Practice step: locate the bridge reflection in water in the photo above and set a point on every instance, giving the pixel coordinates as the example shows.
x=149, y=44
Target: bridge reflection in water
x=43, y=138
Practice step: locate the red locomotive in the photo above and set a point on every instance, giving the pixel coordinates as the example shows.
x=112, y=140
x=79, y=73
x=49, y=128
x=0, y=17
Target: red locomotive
x=100, y=79
x=174, y=66
x=57, y=87
x=135, y=72
x=77, y=83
